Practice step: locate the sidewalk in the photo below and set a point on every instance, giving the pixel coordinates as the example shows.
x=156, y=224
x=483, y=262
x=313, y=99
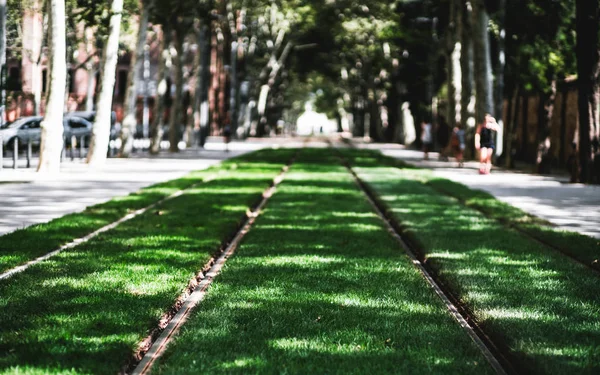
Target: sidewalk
x=28, y=198
x=574, y=207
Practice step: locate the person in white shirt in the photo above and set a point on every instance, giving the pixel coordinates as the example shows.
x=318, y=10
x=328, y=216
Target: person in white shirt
x=426, y=138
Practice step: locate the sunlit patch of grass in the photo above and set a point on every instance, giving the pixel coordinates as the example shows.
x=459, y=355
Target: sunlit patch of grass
x=25, y=244
x=584, y=248
x=88, y=308
x=318, y=286
x=524, y=294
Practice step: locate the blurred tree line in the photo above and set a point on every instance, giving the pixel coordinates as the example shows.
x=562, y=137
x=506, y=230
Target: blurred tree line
x=372, y=65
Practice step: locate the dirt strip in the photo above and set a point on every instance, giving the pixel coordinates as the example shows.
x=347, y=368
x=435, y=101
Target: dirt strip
x=154, y=346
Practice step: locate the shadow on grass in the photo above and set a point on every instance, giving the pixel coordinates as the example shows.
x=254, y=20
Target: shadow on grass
x=584, y=248
x=25, y=244
x=318, y=286
x=88, y=308
x=542, y=306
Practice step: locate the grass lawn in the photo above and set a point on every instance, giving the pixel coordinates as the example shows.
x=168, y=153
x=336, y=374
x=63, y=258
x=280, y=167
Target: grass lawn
x=26, y=244
x=543, y=306
x=319, y=286
x=87, y=309
x=584, y=248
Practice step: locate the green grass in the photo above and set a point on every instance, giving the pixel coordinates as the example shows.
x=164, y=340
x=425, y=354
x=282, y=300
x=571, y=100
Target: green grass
x=584, y=248
x=318, y=286
x=86, y=310
x=542, y=306
x=25, y=244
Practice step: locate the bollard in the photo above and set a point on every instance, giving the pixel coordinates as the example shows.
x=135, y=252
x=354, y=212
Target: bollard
x=73, y=145
x=29, y=153
x=81, y=146
x=62, y=151
x=15, y=152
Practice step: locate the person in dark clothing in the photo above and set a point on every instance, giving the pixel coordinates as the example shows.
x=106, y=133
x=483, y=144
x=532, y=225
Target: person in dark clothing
x=484, y=142
x=443, y=138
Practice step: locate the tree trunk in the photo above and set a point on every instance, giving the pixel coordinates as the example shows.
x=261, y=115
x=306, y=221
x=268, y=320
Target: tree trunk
x=588, y=69
x=499, y=75
x=513, y=116
x=214, y=77
x=466, y=69
x=544, y=159
x=52, y=125
x=91, y=72
x=164, y=63
x=2, y=59
x=393, y=106
x=101, y=128
x=483, y=67
x=453, y=58
x=523, y=152
x=133, y=81
x=176, y=109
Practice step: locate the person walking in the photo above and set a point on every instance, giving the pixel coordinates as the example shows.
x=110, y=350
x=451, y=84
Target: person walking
x=484, y=143
x=458, y=144
x=426, y=138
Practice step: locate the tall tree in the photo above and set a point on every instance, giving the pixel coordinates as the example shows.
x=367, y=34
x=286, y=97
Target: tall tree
x=164, y=64
x=464, y=24
x=101, y=129
x=133, y=81
x=454, y=51
x=500, y=65
x=52, y=125
x=2, y=57
x=483, y=66
x=176, y=115
x=588, y=71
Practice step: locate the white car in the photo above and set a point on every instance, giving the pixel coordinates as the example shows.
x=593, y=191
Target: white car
x=27, y=129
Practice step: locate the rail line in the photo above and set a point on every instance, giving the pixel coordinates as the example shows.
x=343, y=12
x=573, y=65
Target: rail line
x=522, y=231
x=506, y=224
x=78, y=241
x=154, y=345
x=490, y=351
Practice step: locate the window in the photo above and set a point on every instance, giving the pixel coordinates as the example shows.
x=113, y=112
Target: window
x=122, y=83
x=71, y=78
x=44, y=80
x=76, y=124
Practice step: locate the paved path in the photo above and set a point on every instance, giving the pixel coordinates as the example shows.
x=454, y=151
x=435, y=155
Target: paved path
x=573, y=207
x=28, y=198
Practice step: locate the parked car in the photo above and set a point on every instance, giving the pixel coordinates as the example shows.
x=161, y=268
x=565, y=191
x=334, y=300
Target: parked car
x=76, y=126
x=91, y=116
x=28, y=129
x=24, y=129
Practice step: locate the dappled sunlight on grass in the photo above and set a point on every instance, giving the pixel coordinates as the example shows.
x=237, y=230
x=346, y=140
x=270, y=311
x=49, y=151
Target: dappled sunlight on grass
x=584, y=248
x=526, y=296
x=318, y=286
x=88, y=308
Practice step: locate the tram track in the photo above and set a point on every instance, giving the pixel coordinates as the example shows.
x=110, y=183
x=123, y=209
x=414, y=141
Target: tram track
x=594, y=267
x=78, y=241
x=154, y=345
x=524, y=232
x=494, y=353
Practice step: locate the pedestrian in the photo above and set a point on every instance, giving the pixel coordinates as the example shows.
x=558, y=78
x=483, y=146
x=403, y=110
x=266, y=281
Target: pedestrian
x=458, y=144
x=227, y=136
x=484, y=142
x=426, y=138
x=443, y=139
